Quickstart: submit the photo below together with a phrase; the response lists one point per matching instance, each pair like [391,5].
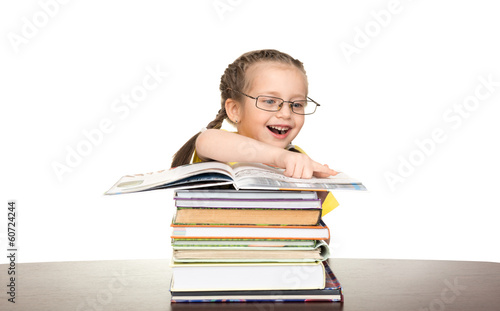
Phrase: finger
[298,170]
[321,175]
[307,172]
[331,172]
[289,169]
[323,171]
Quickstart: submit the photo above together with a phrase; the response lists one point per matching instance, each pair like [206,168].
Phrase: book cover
[247,276]
[332,292]
[247,216]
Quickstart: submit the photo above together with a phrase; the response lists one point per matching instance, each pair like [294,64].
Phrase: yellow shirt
[329,202]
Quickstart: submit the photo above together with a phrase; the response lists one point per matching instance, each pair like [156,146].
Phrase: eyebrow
[276,94]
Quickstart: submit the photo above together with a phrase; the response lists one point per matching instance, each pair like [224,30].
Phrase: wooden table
[369,284]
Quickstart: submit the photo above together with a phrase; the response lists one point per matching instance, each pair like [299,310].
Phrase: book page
[204,172]
[261,176]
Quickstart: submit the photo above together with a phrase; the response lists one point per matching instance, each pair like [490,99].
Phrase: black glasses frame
[281,104]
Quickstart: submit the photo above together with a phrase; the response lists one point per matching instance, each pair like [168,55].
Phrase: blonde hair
[234,79]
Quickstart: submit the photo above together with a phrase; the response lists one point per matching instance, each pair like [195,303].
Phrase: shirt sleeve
[295,149]
[195,158]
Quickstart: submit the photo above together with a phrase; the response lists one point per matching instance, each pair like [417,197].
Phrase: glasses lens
[304,107]
[269,103]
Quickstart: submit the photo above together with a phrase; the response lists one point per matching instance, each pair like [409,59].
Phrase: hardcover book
[318,232]
[247,216]
[245,194]
[319,251]
[247,276]
[332,291]
[257,211]
[196,243]
[249,203]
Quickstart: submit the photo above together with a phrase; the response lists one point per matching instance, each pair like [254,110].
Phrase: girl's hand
[325,173]
[298,165]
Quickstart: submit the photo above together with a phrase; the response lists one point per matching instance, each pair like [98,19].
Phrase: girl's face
[279,80]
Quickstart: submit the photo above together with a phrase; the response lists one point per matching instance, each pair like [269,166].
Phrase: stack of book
[246,245]
[245,232]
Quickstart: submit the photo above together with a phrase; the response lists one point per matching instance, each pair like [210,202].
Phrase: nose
[286,110]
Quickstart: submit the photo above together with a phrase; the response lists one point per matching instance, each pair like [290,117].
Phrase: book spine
[180,300]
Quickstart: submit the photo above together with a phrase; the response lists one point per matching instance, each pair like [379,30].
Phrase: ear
[233,109]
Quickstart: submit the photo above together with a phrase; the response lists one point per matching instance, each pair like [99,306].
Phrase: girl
[264,95]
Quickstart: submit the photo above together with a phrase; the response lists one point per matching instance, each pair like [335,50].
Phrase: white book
[244,194]
[249,203]
[247,276]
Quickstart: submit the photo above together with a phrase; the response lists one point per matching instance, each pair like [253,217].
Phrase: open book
[239,175]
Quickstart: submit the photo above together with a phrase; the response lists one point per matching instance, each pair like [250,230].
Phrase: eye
[268,101]
[299,104]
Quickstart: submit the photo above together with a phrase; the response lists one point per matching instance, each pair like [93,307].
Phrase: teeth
[280,129]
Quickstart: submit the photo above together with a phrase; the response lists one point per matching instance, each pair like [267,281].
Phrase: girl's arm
[231,147]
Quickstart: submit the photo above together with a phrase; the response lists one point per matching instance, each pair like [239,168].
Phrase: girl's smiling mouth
[279,131]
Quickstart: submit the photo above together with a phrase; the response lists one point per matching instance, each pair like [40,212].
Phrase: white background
[393,89]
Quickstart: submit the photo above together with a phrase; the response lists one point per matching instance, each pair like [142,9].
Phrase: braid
[184,155]
[217,122]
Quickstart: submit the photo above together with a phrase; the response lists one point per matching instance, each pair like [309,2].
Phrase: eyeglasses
[273,104]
